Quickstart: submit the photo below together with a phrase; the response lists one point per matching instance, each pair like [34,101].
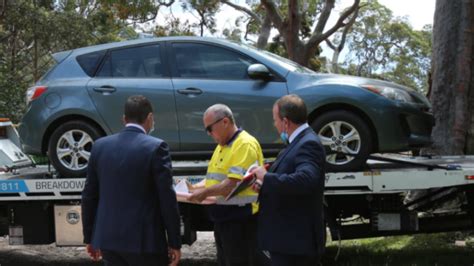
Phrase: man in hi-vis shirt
[234,220]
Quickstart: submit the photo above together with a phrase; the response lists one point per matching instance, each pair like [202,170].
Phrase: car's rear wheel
[346,138]
[70,146]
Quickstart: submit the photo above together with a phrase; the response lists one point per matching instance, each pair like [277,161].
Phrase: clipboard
[246,182]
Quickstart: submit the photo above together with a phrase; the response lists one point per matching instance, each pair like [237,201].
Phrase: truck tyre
[346,138]
[70,146]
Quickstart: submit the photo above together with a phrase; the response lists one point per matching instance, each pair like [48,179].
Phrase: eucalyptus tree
[174,27]
[206,13]
[387,47]
[302,25]
[452,90]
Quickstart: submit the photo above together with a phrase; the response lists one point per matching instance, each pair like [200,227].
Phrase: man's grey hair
[220,111]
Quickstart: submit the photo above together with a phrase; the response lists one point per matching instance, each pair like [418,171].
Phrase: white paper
[182,186]
[255,164]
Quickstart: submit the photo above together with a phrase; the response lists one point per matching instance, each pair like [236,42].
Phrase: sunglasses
[209,127]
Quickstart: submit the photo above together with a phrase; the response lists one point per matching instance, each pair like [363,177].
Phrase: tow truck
[393,195]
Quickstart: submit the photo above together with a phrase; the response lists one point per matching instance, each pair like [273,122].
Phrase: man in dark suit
[291,224]
[129,208]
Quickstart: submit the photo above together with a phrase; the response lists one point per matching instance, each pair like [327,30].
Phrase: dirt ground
[202,252]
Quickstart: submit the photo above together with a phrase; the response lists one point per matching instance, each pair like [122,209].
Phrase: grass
[417,250]
[39,160]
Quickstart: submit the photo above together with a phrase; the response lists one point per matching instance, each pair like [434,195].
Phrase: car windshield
[290,64]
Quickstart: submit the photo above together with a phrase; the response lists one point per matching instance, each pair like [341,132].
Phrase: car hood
[353,81]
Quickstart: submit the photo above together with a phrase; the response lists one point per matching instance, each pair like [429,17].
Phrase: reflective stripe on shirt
[216,176]
[237,170]
[237,200]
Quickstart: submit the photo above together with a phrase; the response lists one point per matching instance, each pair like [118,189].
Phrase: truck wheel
[70,146]
[346,139]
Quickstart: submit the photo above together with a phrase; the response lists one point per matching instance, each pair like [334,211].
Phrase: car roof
[99,47]
[275,64]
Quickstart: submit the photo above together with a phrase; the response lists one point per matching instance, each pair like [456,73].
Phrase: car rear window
[89,62]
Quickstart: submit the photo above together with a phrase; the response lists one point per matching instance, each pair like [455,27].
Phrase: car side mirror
[259,71]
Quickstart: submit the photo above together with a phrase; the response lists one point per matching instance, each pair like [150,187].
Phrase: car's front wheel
[70,146]
[346,138]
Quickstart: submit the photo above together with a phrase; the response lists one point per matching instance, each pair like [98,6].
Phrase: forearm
[221,189]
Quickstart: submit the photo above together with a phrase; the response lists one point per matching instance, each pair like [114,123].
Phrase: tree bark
[452,67]
[469,32]
[3,9]
[337,50]
[264,34]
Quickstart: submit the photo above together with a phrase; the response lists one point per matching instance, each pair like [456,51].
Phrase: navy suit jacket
[291,199]
[128,201]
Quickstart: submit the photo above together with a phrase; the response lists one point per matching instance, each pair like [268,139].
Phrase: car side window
[134,62]
[194,60]
[89,62]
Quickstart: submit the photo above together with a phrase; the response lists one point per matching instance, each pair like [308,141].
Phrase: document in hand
[182,194]
[246,182]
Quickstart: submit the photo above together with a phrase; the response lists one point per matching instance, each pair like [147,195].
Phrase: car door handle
[105,89]
[190,91]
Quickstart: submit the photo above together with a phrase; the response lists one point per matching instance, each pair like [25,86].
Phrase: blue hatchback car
[81,99]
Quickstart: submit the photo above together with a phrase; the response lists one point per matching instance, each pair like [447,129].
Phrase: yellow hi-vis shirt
[233,160]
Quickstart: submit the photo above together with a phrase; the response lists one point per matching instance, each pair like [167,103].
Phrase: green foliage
[206,10]
[31,31]
[233,34]
[174,27]
[388,48]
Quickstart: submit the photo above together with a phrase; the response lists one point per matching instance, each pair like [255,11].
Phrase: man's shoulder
[104,140]
[118,137]
[245,138]
[310,141]
[151,139]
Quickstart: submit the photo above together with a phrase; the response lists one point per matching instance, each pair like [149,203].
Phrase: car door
[131,71]
[205,74]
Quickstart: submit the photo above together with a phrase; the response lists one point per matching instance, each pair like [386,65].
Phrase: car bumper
[413,129]
[30,135]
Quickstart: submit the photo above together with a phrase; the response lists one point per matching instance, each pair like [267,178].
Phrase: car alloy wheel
[347,140]
[73,149]
[70,146]
[341,139]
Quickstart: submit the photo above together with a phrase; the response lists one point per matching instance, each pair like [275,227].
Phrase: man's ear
[150,117]
[124,120]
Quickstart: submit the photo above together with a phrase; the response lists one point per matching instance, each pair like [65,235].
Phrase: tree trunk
[3,9]
[292,41]
[265,30]
[452,66]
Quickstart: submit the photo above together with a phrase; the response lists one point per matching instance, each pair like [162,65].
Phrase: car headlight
[391,93]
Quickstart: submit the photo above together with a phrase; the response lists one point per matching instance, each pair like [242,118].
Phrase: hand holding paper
[183,194]
[249,179]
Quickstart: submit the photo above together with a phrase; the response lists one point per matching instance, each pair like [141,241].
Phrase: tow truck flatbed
[40,183]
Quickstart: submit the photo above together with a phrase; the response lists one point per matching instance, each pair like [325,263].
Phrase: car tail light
[34,92]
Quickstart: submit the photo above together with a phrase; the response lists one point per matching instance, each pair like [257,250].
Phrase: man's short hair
[220,111]
[293,108]
[137,108]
